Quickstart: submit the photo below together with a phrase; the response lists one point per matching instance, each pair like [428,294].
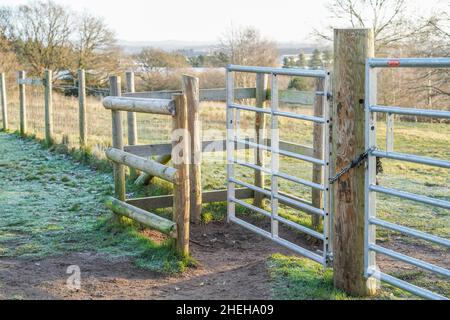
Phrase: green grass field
[427,139]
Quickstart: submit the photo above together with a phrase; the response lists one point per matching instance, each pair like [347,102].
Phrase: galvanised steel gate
[371,188]
[233,138]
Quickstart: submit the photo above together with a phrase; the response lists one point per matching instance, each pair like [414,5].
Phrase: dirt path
[43,230]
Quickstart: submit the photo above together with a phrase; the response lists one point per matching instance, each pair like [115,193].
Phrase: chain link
[355,163]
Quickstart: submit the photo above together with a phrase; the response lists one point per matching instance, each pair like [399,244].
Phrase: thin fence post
[22,104]
[48,83]
[390,132]
[260,133]
[180,158]
[190,87]
[4,101]
[316,195]
[351,48]
[131,121]
[117,140]
[82,107]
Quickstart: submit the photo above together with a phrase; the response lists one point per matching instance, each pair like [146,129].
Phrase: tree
[327,57]
[158,68]
[301,62]
[316,60]
[41,33]
[390,19]
[301,84]
[151,59]
[246,46]
[95,49]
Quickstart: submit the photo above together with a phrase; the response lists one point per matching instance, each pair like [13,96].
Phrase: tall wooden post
[180,159]
[82,107]
[4,101]
[260,128]
[351,48]
[316,195]
[131,121]
[190,87]
[22,104]
[117,140]
[48,83]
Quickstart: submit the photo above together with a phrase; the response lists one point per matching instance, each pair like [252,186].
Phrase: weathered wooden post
[260,128]
[180,159]
[351,48]
[117,140]
[131,121]
[48,83]
[316,195]
[4,101]
[22,103]
[190,88]
[82,107]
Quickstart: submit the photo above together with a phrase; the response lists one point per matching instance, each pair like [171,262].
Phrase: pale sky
[206,20]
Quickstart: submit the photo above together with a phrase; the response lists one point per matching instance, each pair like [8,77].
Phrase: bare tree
[95,49]
[246,46]
[389,19]
[41,32]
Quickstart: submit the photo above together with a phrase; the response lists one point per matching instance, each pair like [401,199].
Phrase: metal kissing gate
[371,188]
[371,248]
[233,138]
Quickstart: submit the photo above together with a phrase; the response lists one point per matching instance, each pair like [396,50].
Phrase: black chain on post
[355,163]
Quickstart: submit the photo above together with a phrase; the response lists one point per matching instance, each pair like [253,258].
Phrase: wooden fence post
[82,107]
[351,48]
[117,140]
[131,122]
[190,87]
[4,101]
[180,159]
[260,128]
[23,104]
[48,83]
[316,195]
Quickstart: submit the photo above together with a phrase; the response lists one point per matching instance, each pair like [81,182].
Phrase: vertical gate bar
[231,206]
[370,196]
[326,170]
[389,132]
[275,155]
[23,104]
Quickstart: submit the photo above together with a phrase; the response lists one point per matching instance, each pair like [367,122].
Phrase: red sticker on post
[394,63]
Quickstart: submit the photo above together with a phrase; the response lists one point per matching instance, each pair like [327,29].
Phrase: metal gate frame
[371,188]
[233,116]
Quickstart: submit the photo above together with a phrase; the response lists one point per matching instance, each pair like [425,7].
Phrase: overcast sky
[206,20]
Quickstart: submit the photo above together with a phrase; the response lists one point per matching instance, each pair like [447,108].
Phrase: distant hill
[202,47]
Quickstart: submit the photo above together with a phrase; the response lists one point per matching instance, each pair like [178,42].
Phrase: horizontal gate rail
[410,232]
[424,293]
[299,116]
[306,253]
[411,111]
[300,205]
[412,158]
[415,262]
[371,187]
[411,196]
[408,63]
[279,71]
[249,108]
